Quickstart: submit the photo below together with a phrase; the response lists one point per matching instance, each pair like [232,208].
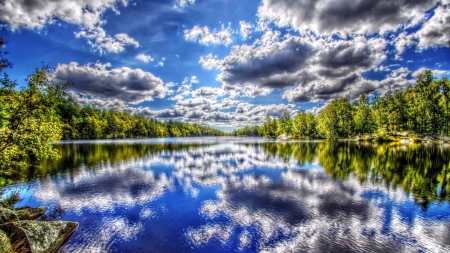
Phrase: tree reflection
[421,170]
[76,156]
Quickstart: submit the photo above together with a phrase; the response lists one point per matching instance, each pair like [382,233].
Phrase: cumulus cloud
[204,36]
[403,41]
[208,92]
[436,31]
[210,61]
[183,3]
[205,104]
[195,115]
[274,110]
[225,104]
[196,103]
[245,29]
[113,104]
[313,65]
[267,65]
[219,117]
[85,13]
[243,108]
[351,87]
[126,84]
[436,72]
[346,16]
[145,58]
[36,14]
[103,43]
[169,113]
[185,89]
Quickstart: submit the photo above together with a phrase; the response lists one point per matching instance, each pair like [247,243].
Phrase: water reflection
[238,196]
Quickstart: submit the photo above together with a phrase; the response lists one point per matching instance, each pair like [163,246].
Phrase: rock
[24,213]
[7,215]
[5,243]
[39,236]
[30,213]
[20,233]
[283,137]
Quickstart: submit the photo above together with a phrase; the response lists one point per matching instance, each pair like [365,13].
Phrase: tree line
[420,109]
[88,122]
[34,117]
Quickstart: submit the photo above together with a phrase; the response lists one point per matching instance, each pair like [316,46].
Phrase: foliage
[248,131]
[304,125]
[420,109]
[29,123]
[88,122]
[270,128]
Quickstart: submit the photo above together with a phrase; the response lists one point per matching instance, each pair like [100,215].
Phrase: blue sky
[226,63]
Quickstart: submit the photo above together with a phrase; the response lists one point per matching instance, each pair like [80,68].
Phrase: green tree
[285,124]
[364,120]
[270,128]
[444,84]
[31,123]
[304,125]
[336,119]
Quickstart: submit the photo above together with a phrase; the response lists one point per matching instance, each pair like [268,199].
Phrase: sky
[226,63]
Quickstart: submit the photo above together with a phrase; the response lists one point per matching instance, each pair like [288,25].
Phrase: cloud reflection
[271,203]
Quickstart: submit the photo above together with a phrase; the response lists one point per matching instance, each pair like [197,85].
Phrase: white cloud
[197,102]
[210,61]
[208,92]
[273,110]
[245,29]
[204,36]
[436,31]
[183,3]
[36,14]
[350,88]
[103,43]
[345,16]
[403,41]
[125,84]
[436,72]
[243,108]
[320,68]
[114,104]
[145,58]
[85,13]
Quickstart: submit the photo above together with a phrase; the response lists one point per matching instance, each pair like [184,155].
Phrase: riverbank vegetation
[421,111]
[35,116]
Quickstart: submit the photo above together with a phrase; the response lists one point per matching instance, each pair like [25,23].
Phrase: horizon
[226,64]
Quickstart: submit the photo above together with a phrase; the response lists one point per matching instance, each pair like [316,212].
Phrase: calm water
[246,195]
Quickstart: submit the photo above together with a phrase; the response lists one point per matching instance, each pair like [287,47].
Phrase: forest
[420,109]
[88,122]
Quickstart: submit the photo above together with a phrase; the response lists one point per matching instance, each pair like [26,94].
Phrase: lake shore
[400,137]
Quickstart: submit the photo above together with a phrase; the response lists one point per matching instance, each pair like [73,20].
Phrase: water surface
[246,195]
